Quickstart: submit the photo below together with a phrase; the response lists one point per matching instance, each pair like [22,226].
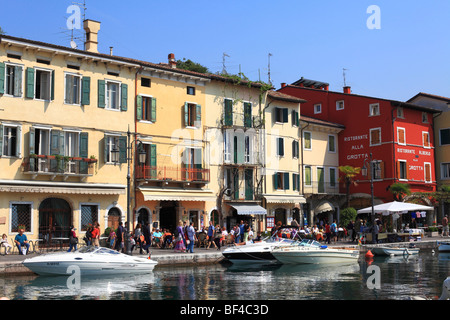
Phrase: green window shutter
[294,180]
[247,115]
[52,89]
[228,112]
[153,110]
[124,104]
[55,143]
[153,161]
[101,93]
[105,149]
[84,139]
[1,140]
[2,78]
[285,115]
[286,181]
[275,181]
[30,83]
[186,114]
[198,114]
[307,176]
[280,146]
[123,149]
[86,91]
[31,140]
[139,106]
[198,162]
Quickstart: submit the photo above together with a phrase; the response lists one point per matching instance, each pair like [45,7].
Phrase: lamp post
[374,168]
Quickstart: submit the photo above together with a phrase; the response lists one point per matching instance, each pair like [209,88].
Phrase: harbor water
[397,278]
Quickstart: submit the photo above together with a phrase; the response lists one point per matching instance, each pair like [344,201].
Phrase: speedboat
[312,252]
[91,261]
[393,251]
[258,252]
[443,246]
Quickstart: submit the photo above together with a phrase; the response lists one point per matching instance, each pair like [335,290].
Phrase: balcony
[241,120]
[58,166]
[317,187]
[172,174]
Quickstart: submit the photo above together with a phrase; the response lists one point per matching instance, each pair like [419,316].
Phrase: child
[5,243]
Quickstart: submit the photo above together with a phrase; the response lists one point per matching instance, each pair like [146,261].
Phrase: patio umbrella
[395,207]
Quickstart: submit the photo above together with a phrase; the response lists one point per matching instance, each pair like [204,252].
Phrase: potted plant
[432,231]
[91,159]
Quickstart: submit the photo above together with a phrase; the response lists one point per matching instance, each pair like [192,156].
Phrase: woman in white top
[5,243]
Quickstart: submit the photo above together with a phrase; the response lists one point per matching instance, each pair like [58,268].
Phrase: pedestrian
[21,242]
[119,237]
[218,237]
[445,226]
[242,231]
[211,235]
[350,230]
[96,234]
[73,239]
[180,238]
[334,231]
[191,238]
[376,230]
[246,231]
[237,234]
[328,233]
[147,238]
[5,243]
[112,238]
[137,236]
[88,236]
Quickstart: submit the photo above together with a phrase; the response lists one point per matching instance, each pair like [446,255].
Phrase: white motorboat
[393,251]
[312,252]
[257,252]
[443,246]
[91,261]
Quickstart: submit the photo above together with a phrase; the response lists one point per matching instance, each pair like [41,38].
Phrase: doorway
[55,219]
[114,217]
[168,215]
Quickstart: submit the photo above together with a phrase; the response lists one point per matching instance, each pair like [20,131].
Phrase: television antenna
[270,80]
[224,69]
[343,73]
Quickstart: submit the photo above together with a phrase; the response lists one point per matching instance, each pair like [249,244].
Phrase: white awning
[324,207]
[284,199]
[248,209]
[177,195]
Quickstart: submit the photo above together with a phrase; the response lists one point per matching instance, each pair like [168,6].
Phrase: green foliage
[191,66]
[349,173]
[400,190]
[347,215]
[2,31]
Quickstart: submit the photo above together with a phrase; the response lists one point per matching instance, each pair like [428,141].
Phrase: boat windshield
[309,243]
[99,250]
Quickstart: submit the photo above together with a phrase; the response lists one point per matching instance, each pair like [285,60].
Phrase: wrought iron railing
[56,165]
[317,187]
[174,174]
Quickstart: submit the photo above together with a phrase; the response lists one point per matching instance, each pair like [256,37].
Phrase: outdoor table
[61,240]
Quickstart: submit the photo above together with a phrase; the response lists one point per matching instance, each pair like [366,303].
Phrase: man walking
[191,238]
[445,226]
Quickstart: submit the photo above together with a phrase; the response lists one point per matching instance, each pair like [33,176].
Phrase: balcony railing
[50,165]
[172,174]
[240,120]
[317,187]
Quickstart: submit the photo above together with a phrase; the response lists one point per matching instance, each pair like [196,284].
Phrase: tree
[347,215]
[191,66]
[2,31]
[400,191]
[349,174]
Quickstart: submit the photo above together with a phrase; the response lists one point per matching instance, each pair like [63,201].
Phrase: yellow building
[173,183]
[282,159]
[64,115]
[320,170]
[441,141]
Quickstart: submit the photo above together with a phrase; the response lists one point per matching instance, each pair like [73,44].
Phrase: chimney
[172,62]
[283,84]
[347,90]
[92,28]
[111,51]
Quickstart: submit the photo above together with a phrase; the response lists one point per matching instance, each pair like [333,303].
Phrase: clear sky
[311,39]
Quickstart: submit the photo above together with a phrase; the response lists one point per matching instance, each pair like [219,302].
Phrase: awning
[177,195]
[248,209]
[324,207]
[285,199]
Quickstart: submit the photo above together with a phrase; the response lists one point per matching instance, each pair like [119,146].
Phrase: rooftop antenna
[270,80]
[83,8]
[224,69]
[343,73]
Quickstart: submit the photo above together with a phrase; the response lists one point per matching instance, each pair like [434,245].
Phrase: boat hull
[316,256]
[386,251]
[444,247]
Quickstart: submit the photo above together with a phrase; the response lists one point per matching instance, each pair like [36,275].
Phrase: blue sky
[313,39]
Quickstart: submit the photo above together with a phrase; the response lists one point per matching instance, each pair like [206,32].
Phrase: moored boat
[393,251]
[312,252]
[444,246]
[91,261]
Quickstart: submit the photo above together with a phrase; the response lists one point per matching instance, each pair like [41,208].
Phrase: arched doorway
[114,216]
[280,215]
[143,216]
[214,217]
[55,219]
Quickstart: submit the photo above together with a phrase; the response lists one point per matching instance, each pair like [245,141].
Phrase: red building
[399,135]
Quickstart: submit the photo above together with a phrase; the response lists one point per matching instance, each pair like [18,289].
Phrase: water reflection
[401,278]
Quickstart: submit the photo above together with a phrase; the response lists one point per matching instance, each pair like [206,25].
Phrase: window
[281,181]
[248,120]
[89,214]
[340,105]
[115,143]
[228,114]
[192,115]
[191,91]
[112,95]
[333,177]
[11,79]
[378,170]
[374,109]
[400,113]
[227,145]
[146,108]
[307,140]
[21,213]
[307,176]
[248,155]
[10,142]
[280,147]
[332,143]
[444,136]
[281,115]
[427,172]
[445,170]
[375,137]
[295,119]
[317,108]
[402,170]
[401,137]
[73,89]
[146,82]
[426,139]
[424,117]
[295,182]
[295,149]
[43,85]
